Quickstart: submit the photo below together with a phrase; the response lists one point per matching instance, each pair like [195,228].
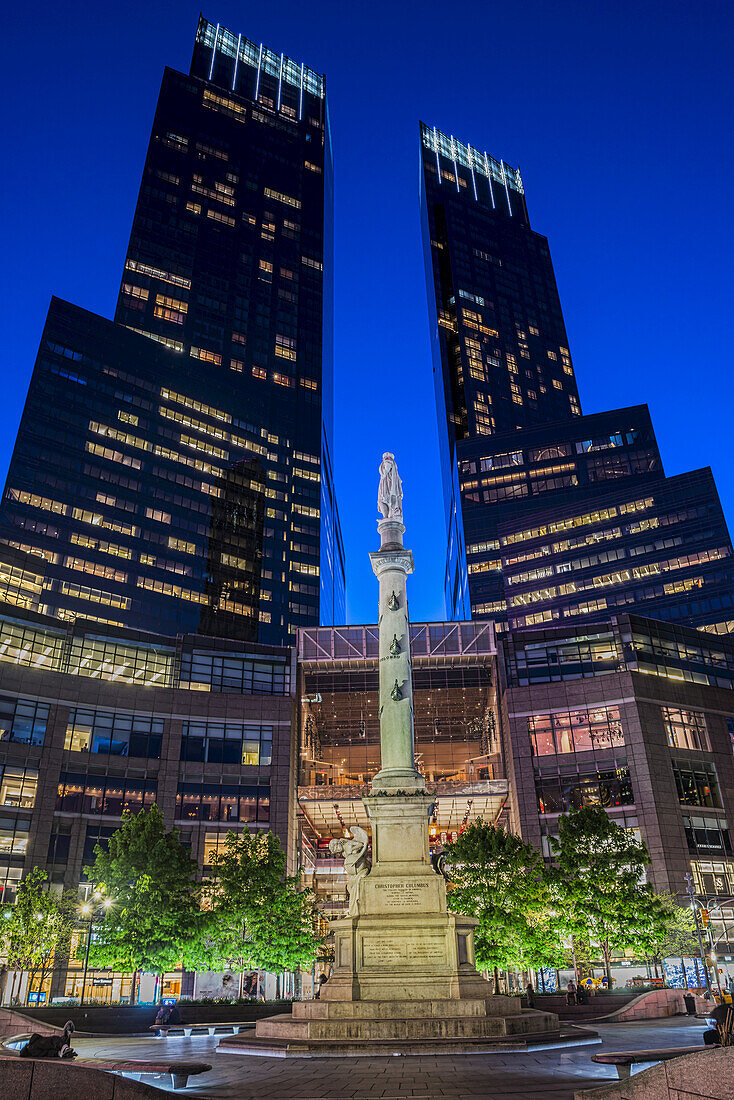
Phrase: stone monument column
[404,978]
[392,564]
[398,941]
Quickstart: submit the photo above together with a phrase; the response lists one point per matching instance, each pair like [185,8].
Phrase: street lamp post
[694,907]
[91,913]
[713,904]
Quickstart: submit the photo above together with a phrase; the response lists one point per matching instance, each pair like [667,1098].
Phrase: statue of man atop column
[390,491]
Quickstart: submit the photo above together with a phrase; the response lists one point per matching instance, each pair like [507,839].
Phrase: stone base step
[383,1009]
[414,1027]
[272,1048]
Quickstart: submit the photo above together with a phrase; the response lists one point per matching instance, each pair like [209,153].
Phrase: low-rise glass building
[457,740]
[637,716]
[97,721]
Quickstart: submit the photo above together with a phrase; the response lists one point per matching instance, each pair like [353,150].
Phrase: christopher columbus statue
[390,492]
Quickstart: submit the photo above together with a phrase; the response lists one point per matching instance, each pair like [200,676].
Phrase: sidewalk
[539,1075]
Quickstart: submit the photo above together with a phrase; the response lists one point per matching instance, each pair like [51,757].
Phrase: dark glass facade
[504,362]
[500,350]
[577,520]
[195,431]
[550,514]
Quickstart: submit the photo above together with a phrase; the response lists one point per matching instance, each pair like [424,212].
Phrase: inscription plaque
[391,951]
[402,894]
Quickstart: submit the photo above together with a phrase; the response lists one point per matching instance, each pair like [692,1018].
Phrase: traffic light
[705,918]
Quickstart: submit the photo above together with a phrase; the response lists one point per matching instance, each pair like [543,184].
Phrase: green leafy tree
[502,881]
[259,915]
[154,919]
[677,939]
[36,928]
[600,867]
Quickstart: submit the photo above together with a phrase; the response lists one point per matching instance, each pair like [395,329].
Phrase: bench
[164,1030]
[179,1072]
[625,1059]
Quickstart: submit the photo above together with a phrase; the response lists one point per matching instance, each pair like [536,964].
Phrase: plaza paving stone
[536,1075]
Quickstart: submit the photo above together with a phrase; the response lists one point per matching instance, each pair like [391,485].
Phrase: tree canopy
[259,916]
[677,938]
[154,918]
[36,928]
[600,871]
[503,882]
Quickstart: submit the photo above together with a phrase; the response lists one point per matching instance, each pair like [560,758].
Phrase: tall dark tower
[496,315]
[521,467]
[184,451]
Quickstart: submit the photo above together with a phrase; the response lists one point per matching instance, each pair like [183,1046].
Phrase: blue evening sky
[618,114]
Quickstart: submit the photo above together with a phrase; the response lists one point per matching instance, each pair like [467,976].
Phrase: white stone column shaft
[392,564]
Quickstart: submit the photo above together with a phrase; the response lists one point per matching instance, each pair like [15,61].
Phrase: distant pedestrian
[319,986]
[531,995]
[571,993]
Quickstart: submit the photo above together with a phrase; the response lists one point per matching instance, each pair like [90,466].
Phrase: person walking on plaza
[571,994]
[531,995]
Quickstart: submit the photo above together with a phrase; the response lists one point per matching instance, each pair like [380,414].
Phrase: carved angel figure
[356,864]
[390,491]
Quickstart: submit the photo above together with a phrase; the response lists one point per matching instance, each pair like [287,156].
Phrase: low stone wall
[705,1076]
[36,1080]
[655,1005]
[13,1023]
[129,1019]
[601,1004]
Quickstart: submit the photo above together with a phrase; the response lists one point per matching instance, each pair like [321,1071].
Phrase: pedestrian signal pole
[694,907]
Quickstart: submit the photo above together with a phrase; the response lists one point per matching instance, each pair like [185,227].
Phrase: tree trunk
[608,964]
[29,987]
[660,971]
[685,972]
[496,982]
[132,987]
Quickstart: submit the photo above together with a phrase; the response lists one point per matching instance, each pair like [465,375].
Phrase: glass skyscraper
[173,468]
[550,515]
